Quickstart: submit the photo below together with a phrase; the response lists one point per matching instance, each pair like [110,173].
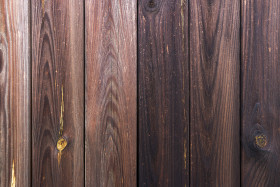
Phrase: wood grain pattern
[110,92]
[215,102]
[14,93]
[163,93]
[260,94]
[57,93]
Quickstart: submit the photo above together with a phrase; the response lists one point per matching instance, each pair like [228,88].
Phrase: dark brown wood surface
[57,93]
[139,93]
[260,93]
[215,96]
[111,93]
[163,93]
[15,113]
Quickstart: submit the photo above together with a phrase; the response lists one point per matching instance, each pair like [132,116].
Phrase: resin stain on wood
[13,181]
[62,142]
[61,113]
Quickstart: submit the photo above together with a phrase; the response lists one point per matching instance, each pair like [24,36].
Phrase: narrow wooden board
[215,96]
[110,93]
[57,93]
[15,111]
[163,75]
[261,93]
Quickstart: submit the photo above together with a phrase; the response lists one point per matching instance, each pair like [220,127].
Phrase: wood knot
[152,5]
[61,144]
[261,141]
[257,141]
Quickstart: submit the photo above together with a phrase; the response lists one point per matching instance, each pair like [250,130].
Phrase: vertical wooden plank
[215,97]
[14,93]
[57,93]
[163,93]
[110,92]
[261,91]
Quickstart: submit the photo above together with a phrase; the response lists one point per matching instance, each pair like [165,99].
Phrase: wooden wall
[139,93]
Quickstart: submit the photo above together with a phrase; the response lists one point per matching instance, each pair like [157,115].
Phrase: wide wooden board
[163,93]
[110,92]
[15,111]
[215,96]
[57,93]
[260,93]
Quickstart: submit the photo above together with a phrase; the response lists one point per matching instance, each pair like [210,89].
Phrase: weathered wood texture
[163,91]
[14,93]
[215,97]
[111,92]
[261,93]
[57,93]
